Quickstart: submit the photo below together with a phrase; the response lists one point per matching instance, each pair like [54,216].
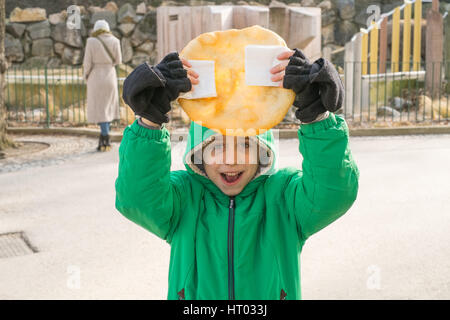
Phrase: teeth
[232,174]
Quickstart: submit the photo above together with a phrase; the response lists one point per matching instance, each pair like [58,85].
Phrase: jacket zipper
[231,207]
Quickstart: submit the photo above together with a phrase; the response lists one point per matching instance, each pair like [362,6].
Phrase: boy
[236,228]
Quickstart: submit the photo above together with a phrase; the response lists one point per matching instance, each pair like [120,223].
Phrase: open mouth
[231,178]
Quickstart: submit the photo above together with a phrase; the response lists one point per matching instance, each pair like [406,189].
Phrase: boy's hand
[278,71]
[148,90]
[191,74]
[317,85]
[294,73]
[179,79]
[176,75]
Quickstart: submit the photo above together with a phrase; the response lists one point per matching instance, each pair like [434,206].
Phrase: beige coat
[100,74]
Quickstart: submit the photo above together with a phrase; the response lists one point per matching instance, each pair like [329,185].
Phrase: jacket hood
[199,137]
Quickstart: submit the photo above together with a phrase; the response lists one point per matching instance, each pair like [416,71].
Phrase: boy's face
[231,163]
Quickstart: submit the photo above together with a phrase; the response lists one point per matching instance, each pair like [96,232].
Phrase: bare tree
[4,140]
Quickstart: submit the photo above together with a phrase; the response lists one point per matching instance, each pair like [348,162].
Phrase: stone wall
[341,19]
[40,36]
[35,39]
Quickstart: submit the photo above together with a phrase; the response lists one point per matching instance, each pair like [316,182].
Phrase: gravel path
[58,149]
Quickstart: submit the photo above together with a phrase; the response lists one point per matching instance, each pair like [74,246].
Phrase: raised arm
[328,184]
[147,192]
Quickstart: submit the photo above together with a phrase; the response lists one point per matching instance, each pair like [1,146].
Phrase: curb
[362,132]
[115,137]
[180,135]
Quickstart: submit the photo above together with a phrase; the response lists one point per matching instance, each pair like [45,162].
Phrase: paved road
[394,243]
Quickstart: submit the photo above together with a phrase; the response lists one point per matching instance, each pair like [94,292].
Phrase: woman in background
[101,56]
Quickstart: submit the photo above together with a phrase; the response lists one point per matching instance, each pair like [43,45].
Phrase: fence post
[364,49]
[447,47]
[373,58]
[395,51]
[349,70]
[406,37]
[46,98]
[117,70]
[417,34]
[383,44]
[357,73]
[434,48]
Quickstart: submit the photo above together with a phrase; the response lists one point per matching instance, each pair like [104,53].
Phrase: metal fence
[46,97]
[52,96]
[57,97]
[402,97]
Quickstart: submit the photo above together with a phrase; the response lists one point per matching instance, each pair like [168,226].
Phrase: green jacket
[248,248]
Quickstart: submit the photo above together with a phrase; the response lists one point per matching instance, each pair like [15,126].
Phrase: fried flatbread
[238,109]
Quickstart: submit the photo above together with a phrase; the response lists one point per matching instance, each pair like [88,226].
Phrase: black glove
[317,85]
[148,90]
